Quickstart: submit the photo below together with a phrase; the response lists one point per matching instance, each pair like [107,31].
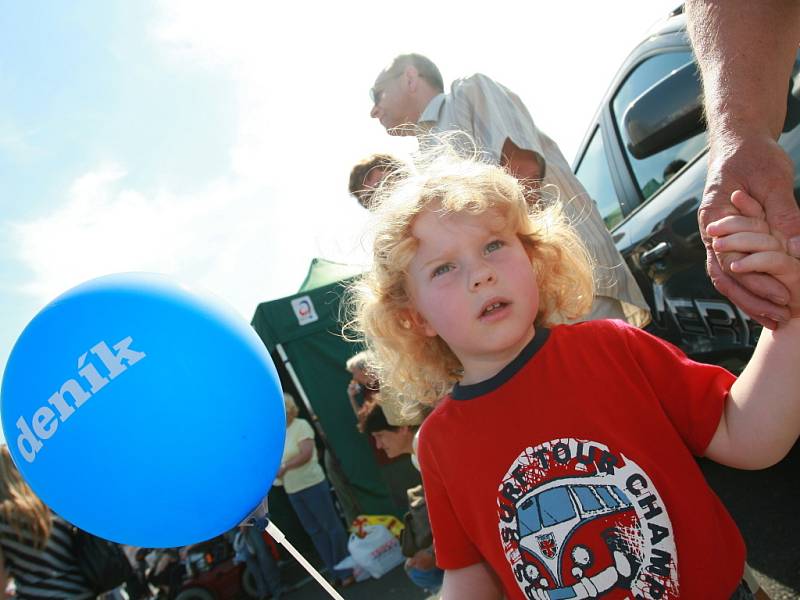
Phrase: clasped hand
[758,166]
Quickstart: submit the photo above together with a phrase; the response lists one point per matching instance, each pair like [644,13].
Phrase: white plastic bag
[378,552]
[348,563]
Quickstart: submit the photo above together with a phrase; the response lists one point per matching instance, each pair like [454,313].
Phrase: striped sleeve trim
[51,572]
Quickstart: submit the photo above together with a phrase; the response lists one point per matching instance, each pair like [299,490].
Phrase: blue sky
[212,141]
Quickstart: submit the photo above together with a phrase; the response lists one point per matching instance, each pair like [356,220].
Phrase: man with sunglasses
[408,98]
[367,174]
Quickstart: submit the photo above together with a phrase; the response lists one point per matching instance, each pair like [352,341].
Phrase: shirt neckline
[432,111]
[468,392]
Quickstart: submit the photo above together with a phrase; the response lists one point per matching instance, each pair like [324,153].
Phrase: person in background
[367,174]
[363,385]
[251,549]
[396,441]
[168,571]
[745,51]
[309,494]
[396,471]
[409,99]
[36,547]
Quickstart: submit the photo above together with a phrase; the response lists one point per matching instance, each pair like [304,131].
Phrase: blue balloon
[142,412]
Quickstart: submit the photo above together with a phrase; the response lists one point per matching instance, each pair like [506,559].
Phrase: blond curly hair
[406,361]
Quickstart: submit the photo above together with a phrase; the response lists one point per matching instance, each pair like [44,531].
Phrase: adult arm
[424,560]
[526,165]
[476,582]
[302,457]
[745,51]
[353,390]
[523,164]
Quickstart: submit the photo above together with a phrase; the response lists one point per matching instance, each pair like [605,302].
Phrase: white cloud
[300,74]
[227,239]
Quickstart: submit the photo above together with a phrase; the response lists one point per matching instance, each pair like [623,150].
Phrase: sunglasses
[376,93]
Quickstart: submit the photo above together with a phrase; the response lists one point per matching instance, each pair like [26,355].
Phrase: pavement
[765,505]
[395,585]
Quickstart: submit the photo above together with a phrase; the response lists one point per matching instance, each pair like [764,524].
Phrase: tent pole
[315,421]
[296,381]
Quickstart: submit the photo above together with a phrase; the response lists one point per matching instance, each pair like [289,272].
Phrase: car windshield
[556,506]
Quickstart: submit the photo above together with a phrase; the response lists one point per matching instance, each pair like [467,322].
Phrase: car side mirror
[671,111]
[667,113]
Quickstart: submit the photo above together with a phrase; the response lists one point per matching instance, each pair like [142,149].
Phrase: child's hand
[761,252]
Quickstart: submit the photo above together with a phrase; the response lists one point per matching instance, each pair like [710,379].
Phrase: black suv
[643,160]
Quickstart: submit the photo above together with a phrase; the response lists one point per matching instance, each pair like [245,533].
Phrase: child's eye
[494,245]
[442,269]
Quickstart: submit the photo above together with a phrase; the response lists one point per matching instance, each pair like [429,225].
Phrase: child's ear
[411,319]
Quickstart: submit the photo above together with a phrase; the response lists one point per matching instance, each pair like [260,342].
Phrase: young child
[559,462]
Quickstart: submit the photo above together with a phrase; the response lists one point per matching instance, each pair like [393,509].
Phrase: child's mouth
[492,308]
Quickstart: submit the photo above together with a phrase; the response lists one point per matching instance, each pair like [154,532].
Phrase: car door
[650,206]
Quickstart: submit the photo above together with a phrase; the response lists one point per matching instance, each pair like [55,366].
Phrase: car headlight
[581,556]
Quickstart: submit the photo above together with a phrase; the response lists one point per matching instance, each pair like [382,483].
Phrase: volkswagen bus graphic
[578,538]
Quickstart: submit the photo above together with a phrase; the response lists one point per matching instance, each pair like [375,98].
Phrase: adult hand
[759,166]
[750,234]
[422,560]
[353,389]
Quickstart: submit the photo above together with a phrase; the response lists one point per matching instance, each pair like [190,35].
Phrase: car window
[791,139]
[556,506]
[588,500]
[610,501]
[528,517]
[594,174]
[653,172]
[619,494]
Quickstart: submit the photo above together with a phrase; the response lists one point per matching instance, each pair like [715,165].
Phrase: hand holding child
[748,234]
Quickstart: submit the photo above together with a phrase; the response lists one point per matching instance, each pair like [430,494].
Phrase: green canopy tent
[303,333]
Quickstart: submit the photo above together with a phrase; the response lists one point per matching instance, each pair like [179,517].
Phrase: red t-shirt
[572,470]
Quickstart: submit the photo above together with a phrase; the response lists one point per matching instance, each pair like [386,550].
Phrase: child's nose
[481,275]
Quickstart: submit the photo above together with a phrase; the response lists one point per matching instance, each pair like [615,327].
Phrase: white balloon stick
[278,536]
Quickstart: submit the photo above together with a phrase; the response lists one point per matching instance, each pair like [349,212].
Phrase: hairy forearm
[762,415]
[745,50]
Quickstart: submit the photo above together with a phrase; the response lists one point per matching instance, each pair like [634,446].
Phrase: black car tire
[249,583]
[195,593]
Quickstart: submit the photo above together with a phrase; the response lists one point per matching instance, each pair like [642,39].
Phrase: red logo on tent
[304,308]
